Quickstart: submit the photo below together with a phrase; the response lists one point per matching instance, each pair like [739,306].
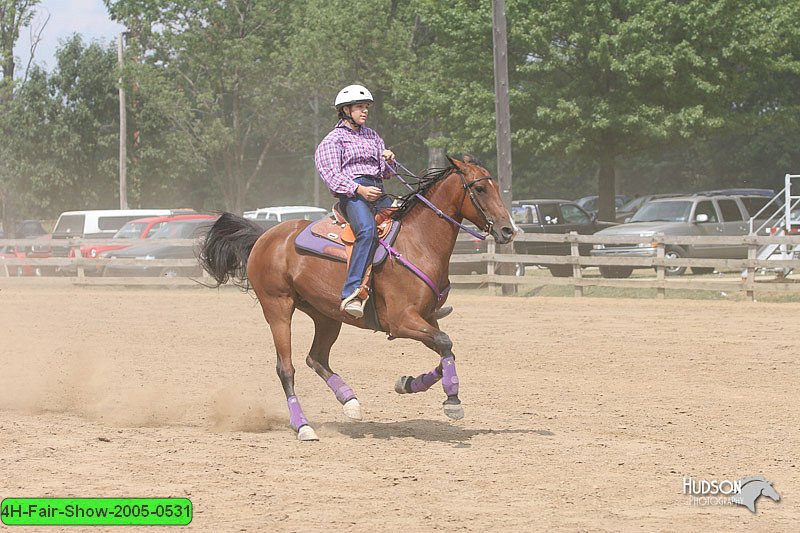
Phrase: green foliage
[227,99]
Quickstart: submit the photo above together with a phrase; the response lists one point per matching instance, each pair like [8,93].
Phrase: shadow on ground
[425,430]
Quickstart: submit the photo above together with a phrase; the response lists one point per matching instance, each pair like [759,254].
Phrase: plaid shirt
[345,154]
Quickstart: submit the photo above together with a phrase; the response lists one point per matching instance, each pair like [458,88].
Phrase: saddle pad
[308,241]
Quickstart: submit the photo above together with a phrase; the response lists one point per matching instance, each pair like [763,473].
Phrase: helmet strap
[347,117]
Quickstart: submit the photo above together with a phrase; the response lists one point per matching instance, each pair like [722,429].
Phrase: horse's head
[482,204]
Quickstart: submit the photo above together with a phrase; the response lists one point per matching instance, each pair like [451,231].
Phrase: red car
[36,251]
[141,228]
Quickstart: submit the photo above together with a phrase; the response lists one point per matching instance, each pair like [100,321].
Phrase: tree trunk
[436,156]
[606,178]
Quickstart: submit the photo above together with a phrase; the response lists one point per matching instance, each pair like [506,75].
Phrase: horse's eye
[480,188]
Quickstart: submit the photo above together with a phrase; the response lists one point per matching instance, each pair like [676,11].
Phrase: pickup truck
[538,216]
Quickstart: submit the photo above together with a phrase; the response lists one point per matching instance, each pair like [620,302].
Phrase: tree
[210,67]
[14,15]
[605,80]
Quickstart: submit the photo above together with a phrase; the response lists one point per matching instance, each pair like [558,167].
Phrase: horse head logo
[752,488]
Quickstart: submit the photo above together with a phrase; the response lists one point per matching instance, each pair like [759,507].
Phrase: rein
[442,214]
[441,295]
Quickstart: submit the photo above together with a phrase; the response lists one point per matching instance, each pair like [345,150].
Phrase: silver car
[694,215]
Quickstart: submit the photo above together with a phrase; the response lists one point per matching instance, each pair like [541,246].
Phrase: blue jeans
[360,213]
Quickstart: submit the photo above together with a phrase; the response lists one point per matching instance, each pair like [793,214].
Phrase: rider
[352,161]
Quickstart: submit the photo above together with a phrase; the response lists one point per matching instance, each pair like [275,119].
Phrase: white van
[287,212]
[98,224]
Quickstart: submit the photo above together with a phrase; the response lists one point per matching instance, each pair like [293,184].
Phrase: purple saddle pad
[309,242]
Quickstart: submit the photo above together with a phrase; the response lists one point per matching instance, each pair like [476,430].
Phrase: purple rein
[439,212]
[441,295]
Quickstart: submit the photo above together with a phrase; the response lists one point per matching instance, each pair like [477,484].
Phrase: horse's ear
[452,161]
[469,158]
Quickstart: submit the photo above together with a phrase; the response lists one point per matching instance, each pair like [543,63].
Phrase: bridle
[467,190]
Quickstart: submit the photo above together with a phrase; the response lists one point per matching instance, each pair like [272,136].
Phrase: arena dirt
[581,414]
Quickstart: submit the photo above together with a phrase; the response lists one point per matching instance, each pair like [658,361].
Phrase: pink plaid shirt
[345,154]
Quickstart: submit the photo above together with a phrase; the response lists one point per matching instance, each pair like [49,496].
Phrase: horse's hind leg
[325,334]
[278,312]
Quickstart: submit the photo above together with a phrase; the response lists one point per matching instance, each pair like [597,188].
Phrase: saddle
[332,237]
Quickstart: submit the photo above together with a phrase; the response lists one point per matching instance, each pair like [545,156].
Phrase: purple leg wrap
[449,377]
[296,417]
[341,389]
[425,381]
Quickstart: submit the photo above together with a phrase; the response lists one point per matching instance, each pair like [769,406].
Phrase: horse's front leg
[414,327]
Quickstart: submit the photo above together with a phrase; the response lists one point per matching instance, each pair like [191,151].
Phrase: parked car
[141,228]
[11,251]
[25,230]
[36,251]
[538,216]
[630,208]
[589,203]
[193,228]
[270,216]
[98,224]
[694,215]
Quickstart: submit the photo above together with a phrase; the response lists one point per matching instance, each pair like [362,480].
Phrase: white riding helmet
[352,94]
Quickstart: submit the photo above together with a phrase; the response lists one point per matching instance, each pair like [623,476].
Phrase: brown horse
[285,279]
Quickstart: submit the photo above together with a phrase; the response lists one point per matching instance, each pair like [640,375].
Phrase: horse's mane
[424,183]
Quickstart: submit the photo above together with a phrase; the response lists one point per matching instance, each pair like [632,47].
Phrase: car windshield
[668,211]
[178,229]
[131,230]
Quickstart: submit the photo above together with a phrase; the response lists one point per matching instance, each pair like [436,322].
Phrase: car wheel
[560,271]
[615,272]
[702,270]
[519,270]
[20,271]
[674,252]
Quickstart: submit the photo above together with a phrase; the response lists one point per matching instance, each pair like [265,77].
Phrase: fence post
[490,265]
[750,281]
[660,268]
[78,257]
[575,254]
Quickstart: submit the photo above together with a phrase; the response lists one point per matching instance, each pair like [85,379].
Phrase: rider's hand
[388,155]
[371,194]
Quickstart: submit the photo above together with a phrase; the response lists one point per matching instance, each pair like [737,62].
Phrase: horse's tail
[226,248]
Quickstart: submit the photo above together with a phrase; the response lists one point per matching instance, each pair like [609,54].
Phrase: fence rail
[491,261]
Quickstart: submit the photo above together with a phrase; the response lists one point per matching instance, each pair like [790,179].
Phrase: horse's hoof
[454,411]
[306,433]
[401,387]
[352,409]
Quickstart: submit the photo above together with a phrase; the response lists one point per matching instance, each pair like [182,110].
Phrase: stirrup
[352,305]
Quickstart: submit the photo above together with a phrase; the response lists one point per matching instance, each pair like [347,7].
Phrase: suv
[272,216]
[694,215]
[539,216]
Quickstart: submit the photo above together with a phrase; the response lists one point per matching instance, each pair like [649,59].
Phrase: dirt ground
[582,414]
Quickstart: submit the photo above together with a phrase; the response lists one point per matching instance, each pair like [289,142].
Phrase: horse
[285,279]
[754,487]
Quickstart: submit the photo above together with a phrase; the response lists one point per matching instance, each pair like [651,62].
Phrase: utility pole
[315,107]
[123,130]
[502,122]
[501,104]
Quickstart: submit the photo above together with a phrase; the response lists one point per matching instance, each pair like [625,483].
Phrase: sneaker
[354,308]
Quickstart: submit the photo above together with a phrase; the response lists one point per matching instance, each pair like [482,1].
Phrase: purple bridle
[441,295]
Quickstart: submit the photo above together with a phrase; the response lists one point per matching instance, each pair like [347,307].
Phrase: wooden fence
[744,278]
